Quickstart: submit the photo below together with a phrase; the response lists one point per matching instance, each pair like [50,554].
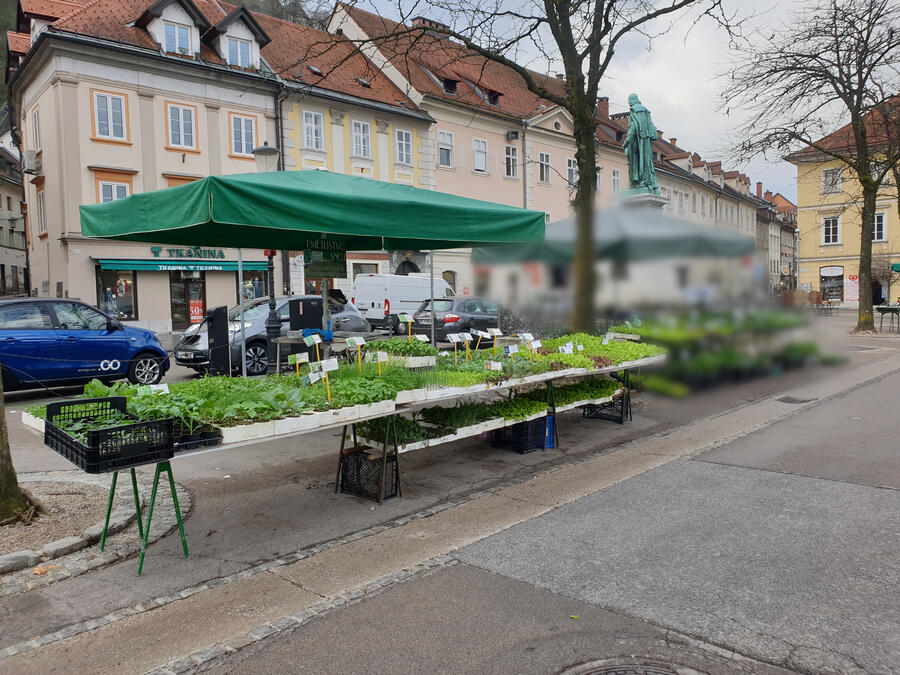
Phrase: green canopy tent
[626,234]
[895,267]
[293,210]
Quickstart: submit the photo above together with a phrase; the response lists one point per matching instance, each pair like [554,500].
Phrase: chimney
[768,195]
[759,189]
[422,22]
[560,76]
[673,141]
[659,134]
[603,107]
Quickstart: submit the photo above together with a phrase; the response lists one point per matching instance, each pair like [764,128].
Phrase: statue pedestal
[641,199]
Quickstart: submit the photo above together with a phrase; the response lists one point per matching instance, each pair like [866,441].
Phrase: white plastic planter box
[411,395]
[413,361]
[340,415]
[247,432]
[32,422]
[304,422]
[377,408]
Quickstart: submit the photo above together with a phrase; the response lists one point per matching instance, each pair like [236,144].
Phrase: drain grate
[605,668]
[792,399]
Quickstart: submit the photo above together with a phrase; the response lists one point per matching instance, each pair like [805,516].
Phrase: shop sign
[851,288]
[324,259]
[195,309]
[192,252]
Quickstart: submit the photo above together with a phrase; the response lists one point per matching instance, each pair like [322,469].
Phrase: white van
[381,297]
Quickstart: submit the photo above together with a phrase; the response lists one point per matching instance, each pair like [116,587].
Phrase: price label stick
[327,387]
[359,357]
[409,332]
[297,363]
[455,361]
[494,349]
[530,352]
[468,353]
[318,358]
[478,343]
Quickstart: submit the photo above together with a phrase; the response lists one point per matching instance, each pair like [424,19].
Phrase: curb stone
[71,554]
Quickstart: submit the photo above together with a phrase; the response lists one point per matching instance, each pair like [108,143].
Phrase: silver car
[192,351]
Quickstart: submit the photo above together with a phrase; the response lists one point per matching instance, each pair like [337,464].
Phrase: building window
[110,192]
[36,129]
[702,205]
[479,155]
[831,230]
[445,149]
[616,180]
[878,233]
[572,171]
[694,202]
[404,147]
[598,175]
[450,277]
[511,161]
[238,52]
[181,127]
[313,130]
[178,38]
[242,135]
[110,115]
[42,214]
[544,168]
[362,139]
[831,181]
[117,294]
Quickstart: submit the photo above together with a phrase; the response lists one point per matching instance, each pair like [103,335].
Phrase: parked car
[455,315]
[192,350]
[382,297]
[58,342]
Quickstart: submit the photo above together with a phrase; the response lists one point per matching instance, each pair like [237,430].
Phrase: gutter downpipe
[524,164]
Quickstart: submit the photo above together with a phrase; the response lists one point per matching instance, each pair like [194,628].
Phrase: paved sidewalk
[270,594]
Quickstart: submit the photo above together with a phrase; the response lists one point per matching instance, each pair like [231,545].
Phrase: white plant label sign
[536,344]
[421,338]
[494,332]
[513,349]
[526,337]
[329,365]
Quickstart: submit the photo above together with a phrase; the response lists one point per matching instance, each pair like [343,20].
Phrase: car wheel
[145,369]
[257,359]
[395,327]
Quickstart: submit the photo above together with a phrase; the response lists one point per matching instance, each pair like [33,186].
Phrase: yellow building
[829,202]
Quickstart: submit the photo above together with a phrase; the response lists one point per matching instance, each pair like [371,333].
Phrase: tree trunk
[12,500]
[865,320]
[583,319]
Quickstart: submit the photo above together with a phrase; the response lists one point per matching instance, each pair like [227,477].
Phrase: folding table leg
[160,467]
[109,503]
[337,478]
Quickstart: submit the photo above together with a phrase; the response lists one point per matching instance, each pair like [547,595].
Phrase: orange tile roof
[843,140]
[292,48]
[50,9]
[18,42]
[415,54]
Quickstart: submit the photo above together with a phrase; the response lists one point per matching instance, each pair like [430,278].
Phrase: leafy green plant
[404,347]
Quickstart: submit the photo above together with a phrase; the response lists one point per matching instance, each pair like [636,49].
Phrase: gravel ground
[72,508]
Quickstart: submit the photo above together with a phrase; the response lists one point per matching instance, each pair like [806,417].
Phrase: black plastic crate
[523,437]
[110,449]
[361,474]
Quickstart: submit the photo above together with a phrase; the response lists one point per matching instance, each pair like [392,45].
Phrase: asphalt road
[783,546]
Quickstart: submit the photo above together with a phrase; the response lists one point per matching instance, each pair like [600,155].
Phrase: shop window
[117,293]
[254,284]
[450,277]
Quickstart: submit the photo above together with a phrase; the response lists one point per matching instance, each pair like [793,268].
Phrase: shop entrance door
[187,291]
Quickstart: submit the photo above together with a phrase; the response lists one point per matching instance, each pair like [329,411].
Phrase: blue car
[56,342]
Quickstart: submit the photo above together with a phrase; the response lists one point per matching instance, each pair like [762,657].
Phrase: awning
[896,267]
[303,210]
[166,265]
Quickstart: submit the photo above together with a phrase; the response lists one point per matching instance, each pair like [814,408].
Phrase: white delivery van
[381,297]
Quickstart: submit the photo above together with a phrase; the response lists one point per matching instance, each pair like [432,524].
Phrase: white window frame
[615,177]
[42,213]
[824,238]
[361,139]
[510,161]
[883,237]
[238,42]
[572,171]
[403,147]
[544,168]
[444,144]
[243,151]
[114,186]
[36,129]
[598,177]
[181,123]
[177,47]
[109,111]
[831,186]
[480,150]
[313,130]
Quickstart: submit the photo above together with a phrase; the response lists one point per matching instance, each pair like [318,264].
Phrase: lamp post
[267,160]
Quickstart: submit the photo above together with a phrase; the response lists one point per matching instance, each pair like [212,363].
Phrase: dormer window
[238,52]
[364,83]
[493,97]
[178,38]
[315,70]
[450,86]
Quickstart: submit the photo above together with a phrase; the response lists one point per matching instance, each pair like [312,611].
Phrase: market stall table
[893,311]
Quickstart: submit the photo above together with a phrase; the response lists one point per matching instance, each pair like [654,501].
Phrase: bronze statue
[638,148]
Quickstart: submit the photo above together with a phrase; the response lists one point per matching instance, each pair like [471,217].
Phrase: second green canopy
[299,210]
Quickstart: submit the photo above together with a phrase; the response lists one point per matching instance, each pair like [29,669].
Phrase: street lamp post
[267,160]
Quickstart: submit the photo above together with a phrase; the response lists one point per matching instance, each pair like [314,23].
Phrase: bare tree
[581,35]
[14,503]
[836,59]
